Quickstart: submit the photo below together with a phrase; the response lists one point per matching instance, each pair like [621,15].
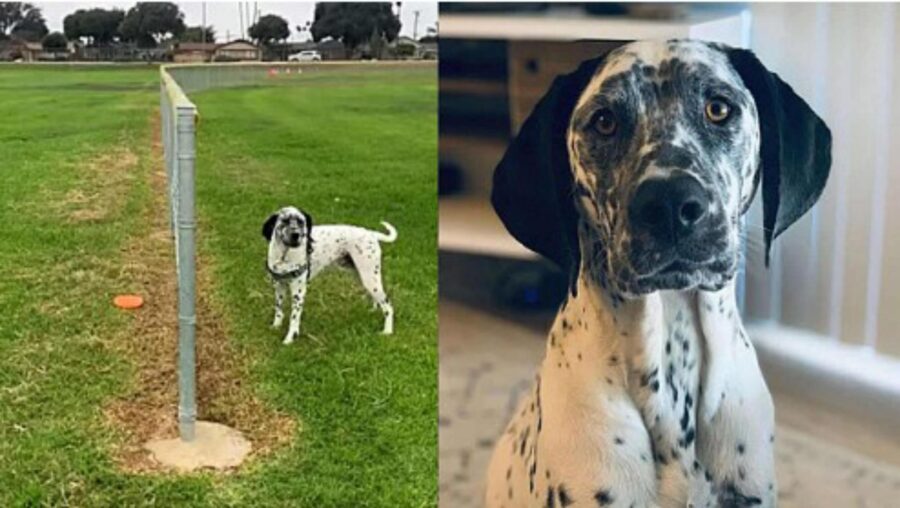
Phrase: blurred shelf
[476,157]
[728,28]
[469,225]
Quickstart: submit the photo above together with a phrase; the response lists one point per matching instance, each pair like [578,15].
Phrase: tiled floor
[486,362]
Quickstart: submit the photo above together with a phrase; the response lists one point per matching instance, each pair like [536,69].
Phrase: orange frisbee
[128,301]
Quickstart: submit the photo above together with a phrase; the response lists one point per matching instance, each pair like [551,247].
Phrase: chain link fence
[179,120]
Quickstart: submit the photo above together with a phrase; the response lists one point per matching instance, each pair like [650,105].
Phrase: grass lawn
[76,189]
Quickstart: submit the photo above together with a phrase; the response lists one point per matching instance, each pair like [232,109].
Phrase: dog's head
[288,226]
[644,160]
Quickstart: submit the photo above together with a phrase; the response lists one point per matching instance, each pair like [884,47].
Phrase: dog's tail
[387,238]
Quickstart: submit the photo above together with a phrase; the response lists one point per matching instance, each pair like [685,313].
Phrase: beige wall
[838,271]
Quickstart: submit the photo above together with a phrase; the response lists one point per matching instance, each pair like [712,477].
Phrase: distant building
[236,51]
[192,52]
[429,50]
[331,49]
[17,49]
[408,48]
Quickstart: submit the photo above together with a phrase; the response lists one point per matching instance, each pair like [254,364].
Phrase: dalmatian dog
[632,174]
[298,251]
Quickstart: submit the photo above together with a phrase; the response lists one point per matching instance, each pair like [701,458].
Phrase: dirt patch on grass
[103,179]
[149,410]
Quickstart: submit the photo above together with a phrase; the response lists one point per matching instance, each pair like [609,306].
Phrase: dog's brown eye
[605,122]
[717,110]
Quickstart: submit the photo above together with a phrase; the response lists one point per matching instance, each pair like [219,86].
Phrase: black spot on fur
[650,376]
[731,497]
[564,498]
[685,418]
[524,439]
[604,497]
[689,437]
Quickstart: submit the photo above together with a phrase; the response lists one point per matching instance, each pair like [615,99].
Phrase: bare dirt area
[103,180]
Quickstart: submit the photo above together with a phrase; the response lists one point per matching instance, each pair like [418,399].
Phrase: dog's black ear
[795,146]
[309,225]
[533,184]
[269,226]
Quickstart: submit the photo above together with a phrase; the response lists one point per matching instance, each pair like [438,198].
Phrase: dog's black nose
[669,209]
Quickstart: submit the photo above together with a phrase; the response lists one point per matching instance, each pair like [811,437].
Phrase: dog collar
[300,270]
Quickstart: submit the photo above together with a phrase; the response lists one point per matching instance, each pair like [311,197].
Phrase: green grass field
[351,147]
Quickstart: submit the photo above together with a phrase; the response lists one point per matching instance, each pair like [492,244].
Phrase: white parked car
[306,56]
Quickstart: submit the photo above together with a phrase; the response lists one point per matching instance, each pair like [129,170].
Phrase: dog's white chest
[615,417]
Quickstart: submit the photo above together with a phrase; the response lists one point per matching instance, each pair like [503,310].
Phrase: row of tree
[147,24]
[21,20]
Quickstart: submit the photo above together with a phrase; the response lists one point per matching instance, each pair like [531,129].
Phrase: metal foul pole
[187,319]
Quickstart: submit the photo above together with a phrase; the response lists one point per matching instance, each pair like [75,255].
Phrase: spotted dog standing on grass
[298,251]
[632,174]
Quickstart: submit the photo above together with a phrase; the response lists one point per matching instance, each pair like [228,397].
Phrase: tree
[55,41]
[431,34]
[148,23]
[22,20]
[270,28]
[10,14]
[31,27]
[99,26]
[196,34]
[355,23]
[304,27]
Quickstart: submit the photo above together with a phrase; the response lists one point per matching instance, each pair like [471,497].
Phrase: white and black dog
[298,251]
[632,174]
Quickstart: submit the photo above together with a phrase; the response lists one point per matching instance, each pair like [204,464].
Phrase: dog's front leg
[280,290]
[298,294]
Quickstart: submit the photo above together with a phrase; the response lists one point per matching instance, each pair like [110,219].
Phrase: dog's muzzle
[669,211]
[293,238]
[677,241]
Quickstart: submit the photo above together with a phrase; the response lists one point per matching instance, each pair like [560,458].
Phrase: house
[236,50]
[408,48]
[33,52]
[192,52]
[429,50]
[17,49]
[331,49]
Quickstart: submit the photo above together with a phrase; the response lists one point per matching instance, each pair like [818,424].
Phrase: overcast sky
[225,18]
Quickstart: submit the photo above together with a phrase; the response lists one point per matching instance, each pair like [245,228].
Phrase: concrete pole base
[215,446]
